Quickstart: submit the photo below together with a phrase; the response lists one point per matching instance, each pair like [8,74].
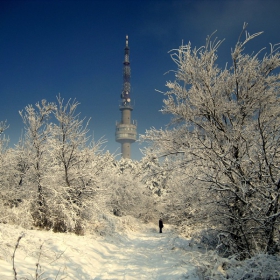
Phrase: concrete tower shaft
[126,129]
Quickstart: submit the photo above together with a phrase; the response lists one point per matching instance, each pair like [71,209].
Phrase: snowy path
[134,255]
[146,256]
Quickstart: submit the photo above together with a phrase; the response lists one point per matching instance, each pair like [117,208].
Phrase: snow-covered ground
[132,254]
[133,251]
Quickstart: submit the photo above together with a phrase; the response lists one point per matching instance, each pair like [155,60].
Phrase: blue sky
[76,48]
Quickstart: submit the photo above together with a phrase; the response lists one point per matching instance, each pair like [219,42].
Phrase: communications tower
[126,129]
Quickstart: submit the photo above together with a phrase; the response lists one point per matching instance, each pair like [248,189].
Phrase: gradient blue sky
[76,48]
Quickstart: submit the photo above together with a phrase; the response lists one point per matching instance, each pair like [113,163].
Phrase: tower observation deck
[126,129]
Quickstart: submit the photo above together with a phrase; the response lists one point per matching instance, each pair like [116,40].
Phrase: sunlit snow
[141,254]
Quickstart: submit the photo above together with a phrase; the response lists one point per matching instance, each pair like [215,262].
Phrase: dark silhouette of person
[160,224]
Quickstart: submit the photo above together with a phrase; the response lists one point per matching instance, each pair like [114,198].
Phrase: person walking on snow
[160,224]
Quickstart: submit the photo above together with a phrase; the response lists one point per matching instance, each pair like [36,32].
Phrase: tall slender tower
[126,129]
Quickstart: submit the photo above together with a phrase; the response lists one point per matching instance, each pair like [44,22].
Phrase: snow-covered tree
[36,134]
[226,125]
[69,137]
[4,174]
[75,164]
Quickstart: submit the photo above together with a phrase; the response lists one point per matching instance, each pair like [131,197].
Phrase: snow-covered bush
[129,196]
[261,266]
[53,176]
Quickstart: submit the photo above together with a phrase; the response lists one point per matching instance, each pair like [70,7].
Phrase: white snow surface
[141,253]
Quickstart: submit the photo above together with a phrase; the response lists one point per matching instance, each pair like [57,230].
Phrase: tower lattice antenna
[126,76]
